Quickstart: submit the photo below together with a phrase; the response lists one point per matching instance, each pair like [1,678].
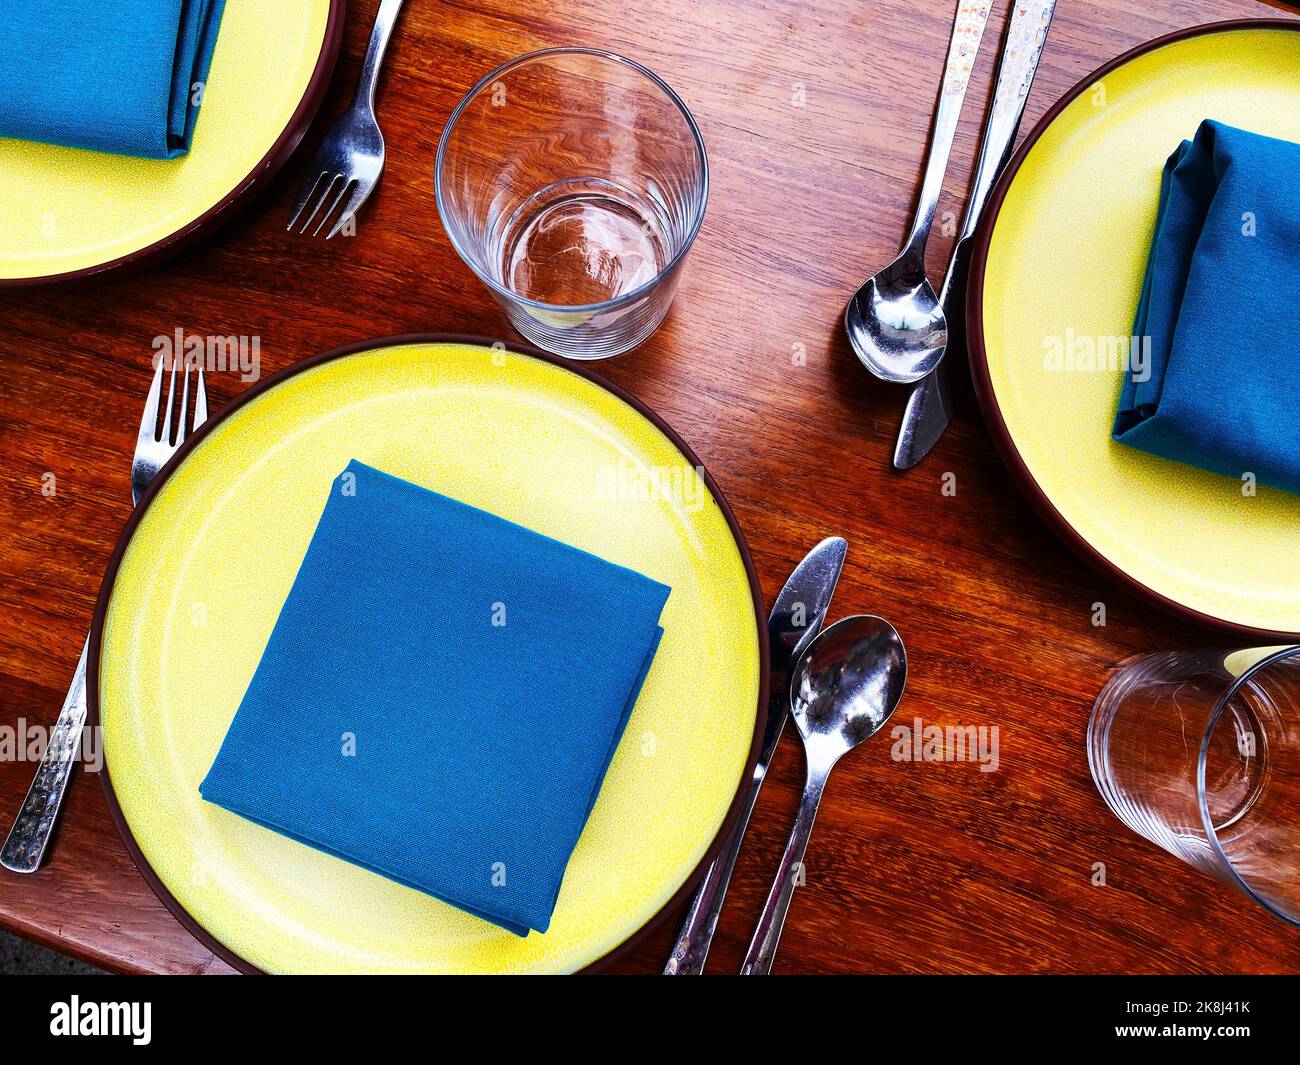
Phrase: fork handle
[379,38]
[30,835]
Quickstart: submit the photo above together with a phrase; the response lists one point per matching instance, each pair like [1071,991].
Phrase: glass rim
[561,308]
[1202,800]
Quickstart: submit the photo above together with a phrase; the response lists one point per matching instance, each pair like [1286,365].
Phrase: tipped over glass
[1199,751]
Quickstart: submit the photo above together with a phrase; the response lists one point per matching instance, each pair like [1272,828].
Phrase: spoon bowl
[896,324]
[846,685]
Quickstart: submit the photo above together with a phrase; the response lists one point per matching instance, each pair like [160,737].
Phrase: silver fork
[30,835]
[351,159]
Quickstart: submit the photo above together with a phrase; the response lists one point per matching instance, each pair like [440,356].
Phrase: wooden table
[930,867]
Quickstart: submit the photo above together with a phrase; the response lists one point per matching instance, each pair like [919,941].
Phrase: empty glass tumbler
[1199,752]
[572,182]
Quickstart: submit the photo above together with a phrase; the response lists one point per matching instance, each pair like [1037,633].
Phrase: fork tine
[200,400]
[305,192]
[165,433]
[185,405]
[347,184]
[149,419]
[354,204]
[324,198]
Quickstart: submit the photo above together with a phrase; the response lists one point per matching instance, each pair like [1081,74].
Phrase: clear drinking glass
[572,182]
[1199,752]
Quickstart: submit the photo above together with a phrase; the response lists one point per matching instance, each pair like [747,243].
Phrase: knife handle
[1022,46]
[693,941]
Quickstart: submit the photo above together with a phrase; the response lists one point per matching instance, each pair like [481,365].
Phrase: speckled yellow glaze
[1067,256]
[207,570]
[1239,661]
[64,209]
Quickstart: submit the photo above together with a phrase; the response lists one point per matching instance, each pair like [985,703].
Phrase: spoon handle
[967,29]
[762,948]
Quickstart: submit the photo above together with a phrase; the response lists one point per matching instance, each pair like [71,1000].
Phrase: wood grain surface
[815,113]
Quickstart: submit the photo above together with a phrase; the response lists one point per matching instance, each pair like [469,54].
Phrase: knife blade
[934,399]
[797,616]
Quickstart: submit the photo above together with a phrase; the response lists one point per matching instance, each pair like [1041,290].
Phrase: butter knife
[934,399]
[796,618]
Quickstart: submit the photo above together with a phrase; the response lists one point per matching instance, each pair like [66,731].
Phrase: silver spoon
[843,689]
[895,321]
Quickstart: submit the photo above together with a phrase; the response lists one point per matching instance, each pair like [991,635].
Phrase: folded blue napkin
[115,76]
[440,698]
[1221,308]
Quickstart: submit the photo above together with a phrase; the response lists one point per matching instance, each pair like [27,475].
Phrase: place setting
[224,91]
[443,653]
[228,858]
[1122,285]
[1179,491]
[1043,294]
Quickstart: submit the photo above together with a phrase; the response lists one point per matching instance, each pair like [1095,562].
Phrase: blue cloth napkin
[115,76]
[440,698]
[1221,306]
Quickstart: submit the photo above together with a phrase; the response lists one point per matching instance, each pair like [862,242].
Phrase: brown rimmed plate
[1056,273]
[72,214]
[206,561]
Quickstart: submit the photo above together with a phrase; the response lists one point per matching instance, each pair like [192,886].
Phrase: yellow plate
[1059,264]
[69,213]
[204,567]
